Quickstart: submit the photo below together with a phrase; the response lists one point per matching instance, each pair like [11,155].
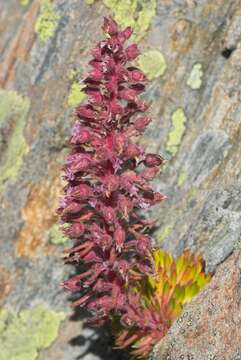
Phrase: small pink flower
[132,52]
[119,238]
[152,160]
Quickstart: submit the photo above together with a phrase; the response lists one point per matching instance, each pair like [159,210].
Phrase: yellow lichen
[47,21]
[24,2]
[39,215]
[73,73]
[135,13]
[23,335]
[195,77]
[76,96]
[178,128]
[55,235]
[165,232]
[182,178]
[192,193]
[152,63]
[13,109]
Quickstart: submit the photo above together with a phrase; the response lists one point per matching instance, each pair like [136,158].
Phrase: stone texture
[202,177]
[209,327]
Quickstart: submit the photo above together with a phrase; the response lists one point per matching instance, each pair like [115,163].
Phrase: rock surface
[196,107]
[209,327]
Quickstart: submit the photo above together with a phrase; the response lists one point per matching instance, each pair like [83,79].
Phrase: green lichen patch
[47,21]
[55,235]
[182,178]
[13,113]
[73,73]
[195,77]
[24,2]
[152,63]
[23,335]
[76,96]
[165,232]
[176,133]
[134,13]
[192,194]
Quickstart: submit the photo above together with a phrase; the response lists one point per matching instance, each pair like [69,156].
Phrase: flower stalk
[108,185]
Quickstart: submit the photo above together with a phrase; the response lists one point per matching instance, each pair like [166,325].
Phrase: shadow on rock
[95,343]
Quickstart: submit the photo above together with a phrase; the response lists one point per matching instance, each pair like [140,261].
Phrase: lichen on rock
[56,236]
[24,334]
[47,21]
[182,178]
[76,96]
[152,63]
[195,78]
[135,13]
[13,113]
[38,215]
[165,232]
[24,2]
[178,128]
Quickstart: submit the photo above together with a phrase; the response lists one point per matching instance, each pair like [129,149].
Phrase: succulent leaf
[163,295]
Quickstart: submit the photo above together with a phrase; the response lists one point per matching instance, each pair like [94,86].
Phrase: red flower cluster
[108,179]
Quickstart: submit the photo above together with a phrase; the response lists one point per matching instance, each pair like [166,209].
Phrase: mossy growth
[195,77]
[47,21]
[135,13]
[55,235]
[23,335]
[178,128]
[13,114]
[152,63]
[165,232]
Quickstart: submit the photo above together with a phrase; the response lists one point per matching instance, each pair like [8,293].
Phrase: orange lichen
[20,46]
[39,215]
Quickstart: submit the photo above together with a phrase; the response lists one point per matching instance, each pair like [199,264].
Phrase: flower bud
[152,160]
[141,122]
